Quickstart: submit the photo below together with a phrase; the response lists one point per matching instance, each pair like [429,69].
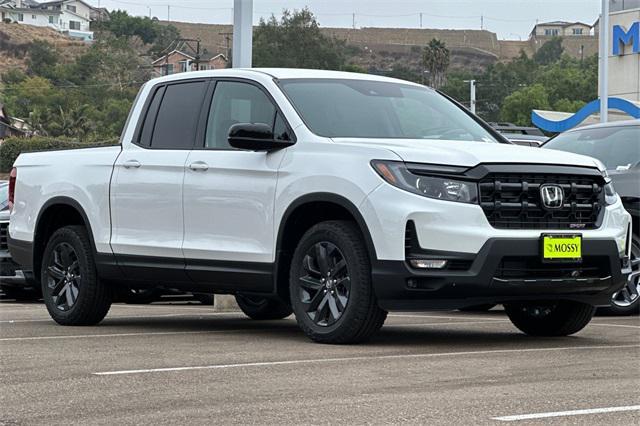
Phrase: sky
[510,19]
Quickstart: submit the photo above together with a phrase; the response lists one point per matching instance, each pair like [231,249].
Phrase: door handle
[199,166]
[131,164]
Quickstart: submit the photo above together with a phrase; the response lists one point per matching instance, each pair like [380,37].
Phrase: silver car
[617,145]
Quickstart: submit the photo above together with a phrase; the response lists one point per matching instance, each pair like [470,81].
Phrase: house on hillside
[8,128]
[179,61]
[560,29]
[71,17]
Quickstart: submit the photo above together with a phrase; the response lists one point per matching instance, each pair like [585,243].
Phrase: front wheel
[330,285]
[71,289]
[550,318]
[260,308]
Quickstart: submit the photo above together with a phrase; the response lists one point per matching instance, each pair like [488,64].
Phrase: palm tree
[435,59]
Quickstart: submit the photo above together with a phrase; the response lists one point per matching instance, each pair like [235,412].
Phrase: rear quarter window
[177,118]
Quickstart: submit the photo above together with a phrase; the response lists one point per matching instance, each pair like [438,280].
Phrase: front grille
[532,268]
[4,234]
[512,201]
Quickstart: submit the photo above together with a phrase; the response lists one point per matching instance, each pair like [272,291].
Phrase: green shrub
[12,147]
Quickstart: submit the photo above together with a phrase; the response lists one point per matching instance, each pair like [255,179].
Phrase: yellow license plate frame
[561,247]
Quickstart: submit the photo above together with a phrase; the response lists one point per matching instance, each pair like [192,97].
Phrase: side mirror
[255,137]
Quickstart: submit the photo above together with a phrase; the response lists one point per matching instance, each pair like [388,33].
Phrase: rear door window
[177,118]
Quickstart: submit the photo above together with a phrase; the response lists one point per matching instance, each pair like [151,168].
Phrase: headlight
[610,194]
[397,174]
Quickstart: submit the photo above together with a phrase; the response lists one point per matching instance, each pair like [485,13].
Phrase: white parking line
[567,413]
[356,358]
[445,317]
[615,325]
[84,336]
[136,316]
[444,323]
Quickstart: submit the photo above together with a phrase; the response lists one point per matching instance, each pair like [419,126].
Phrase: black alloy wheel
[63,276]
[330,285]
[325,284]
[71,289]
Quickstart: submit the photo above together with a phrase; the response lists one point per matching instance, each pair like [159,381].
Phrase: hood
[470,154]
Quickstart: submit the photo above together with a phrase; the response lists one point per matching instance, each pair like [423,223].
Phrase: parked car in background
[519,135]
[13,282]
[617,145]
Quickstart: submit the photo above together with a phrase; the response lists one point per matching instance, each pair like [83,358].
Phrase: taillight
[12,187]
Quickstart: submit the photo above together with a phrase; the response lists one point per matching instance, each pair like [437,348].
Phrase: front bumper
[504,270]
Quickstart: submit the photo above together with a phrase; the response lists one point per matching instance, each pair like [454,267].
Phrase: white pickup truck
[335,196]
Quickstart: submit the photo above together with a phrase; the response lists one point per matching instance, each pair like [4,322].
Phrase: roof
[561,24]
[35,11]
[49,3]
[179,52]
[211,56]
[281,73]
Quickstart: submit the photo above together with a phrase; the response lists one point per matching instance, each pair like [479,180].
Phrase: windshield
[617,147]
[374,109]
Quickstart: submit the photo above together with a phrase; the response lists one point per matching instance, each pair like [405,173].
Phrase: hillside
[384,48]
[15,40]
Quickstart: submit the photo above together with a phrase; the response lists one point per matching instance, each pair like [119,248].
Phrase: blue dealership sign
[621,37]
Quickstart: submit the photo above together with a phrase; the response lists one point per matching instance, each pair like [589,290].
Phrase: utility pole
[472,95]
[420,19]
[168,12]
[482,22]
[353,20]
[227,39]
[604,62]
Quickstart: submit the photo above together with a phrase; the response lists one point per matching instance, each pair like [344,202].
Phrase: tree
[120,24]
[550,52]
[295,41]
[435,59]
[150,31]
[518,105]
[43,57]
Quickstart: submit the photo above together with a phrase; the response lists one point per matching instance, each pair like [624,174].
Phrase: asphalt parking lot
[176,363]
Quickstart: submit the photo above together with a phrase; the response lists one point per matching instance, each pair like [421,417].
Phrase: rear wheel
[627,300]
[260,308]
[71,289]
[330,285]
[550,318]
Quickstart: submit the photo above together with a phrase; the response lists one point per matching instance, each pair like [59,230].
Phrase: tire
[627,300]
[204,298]
[142,296]
[260,308]
[72,291]
[550,319]
[478,308]
[340,307]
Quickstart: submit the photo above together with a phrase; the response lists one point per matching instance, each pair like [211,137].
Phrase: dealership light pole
[604,62]
[242,33]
